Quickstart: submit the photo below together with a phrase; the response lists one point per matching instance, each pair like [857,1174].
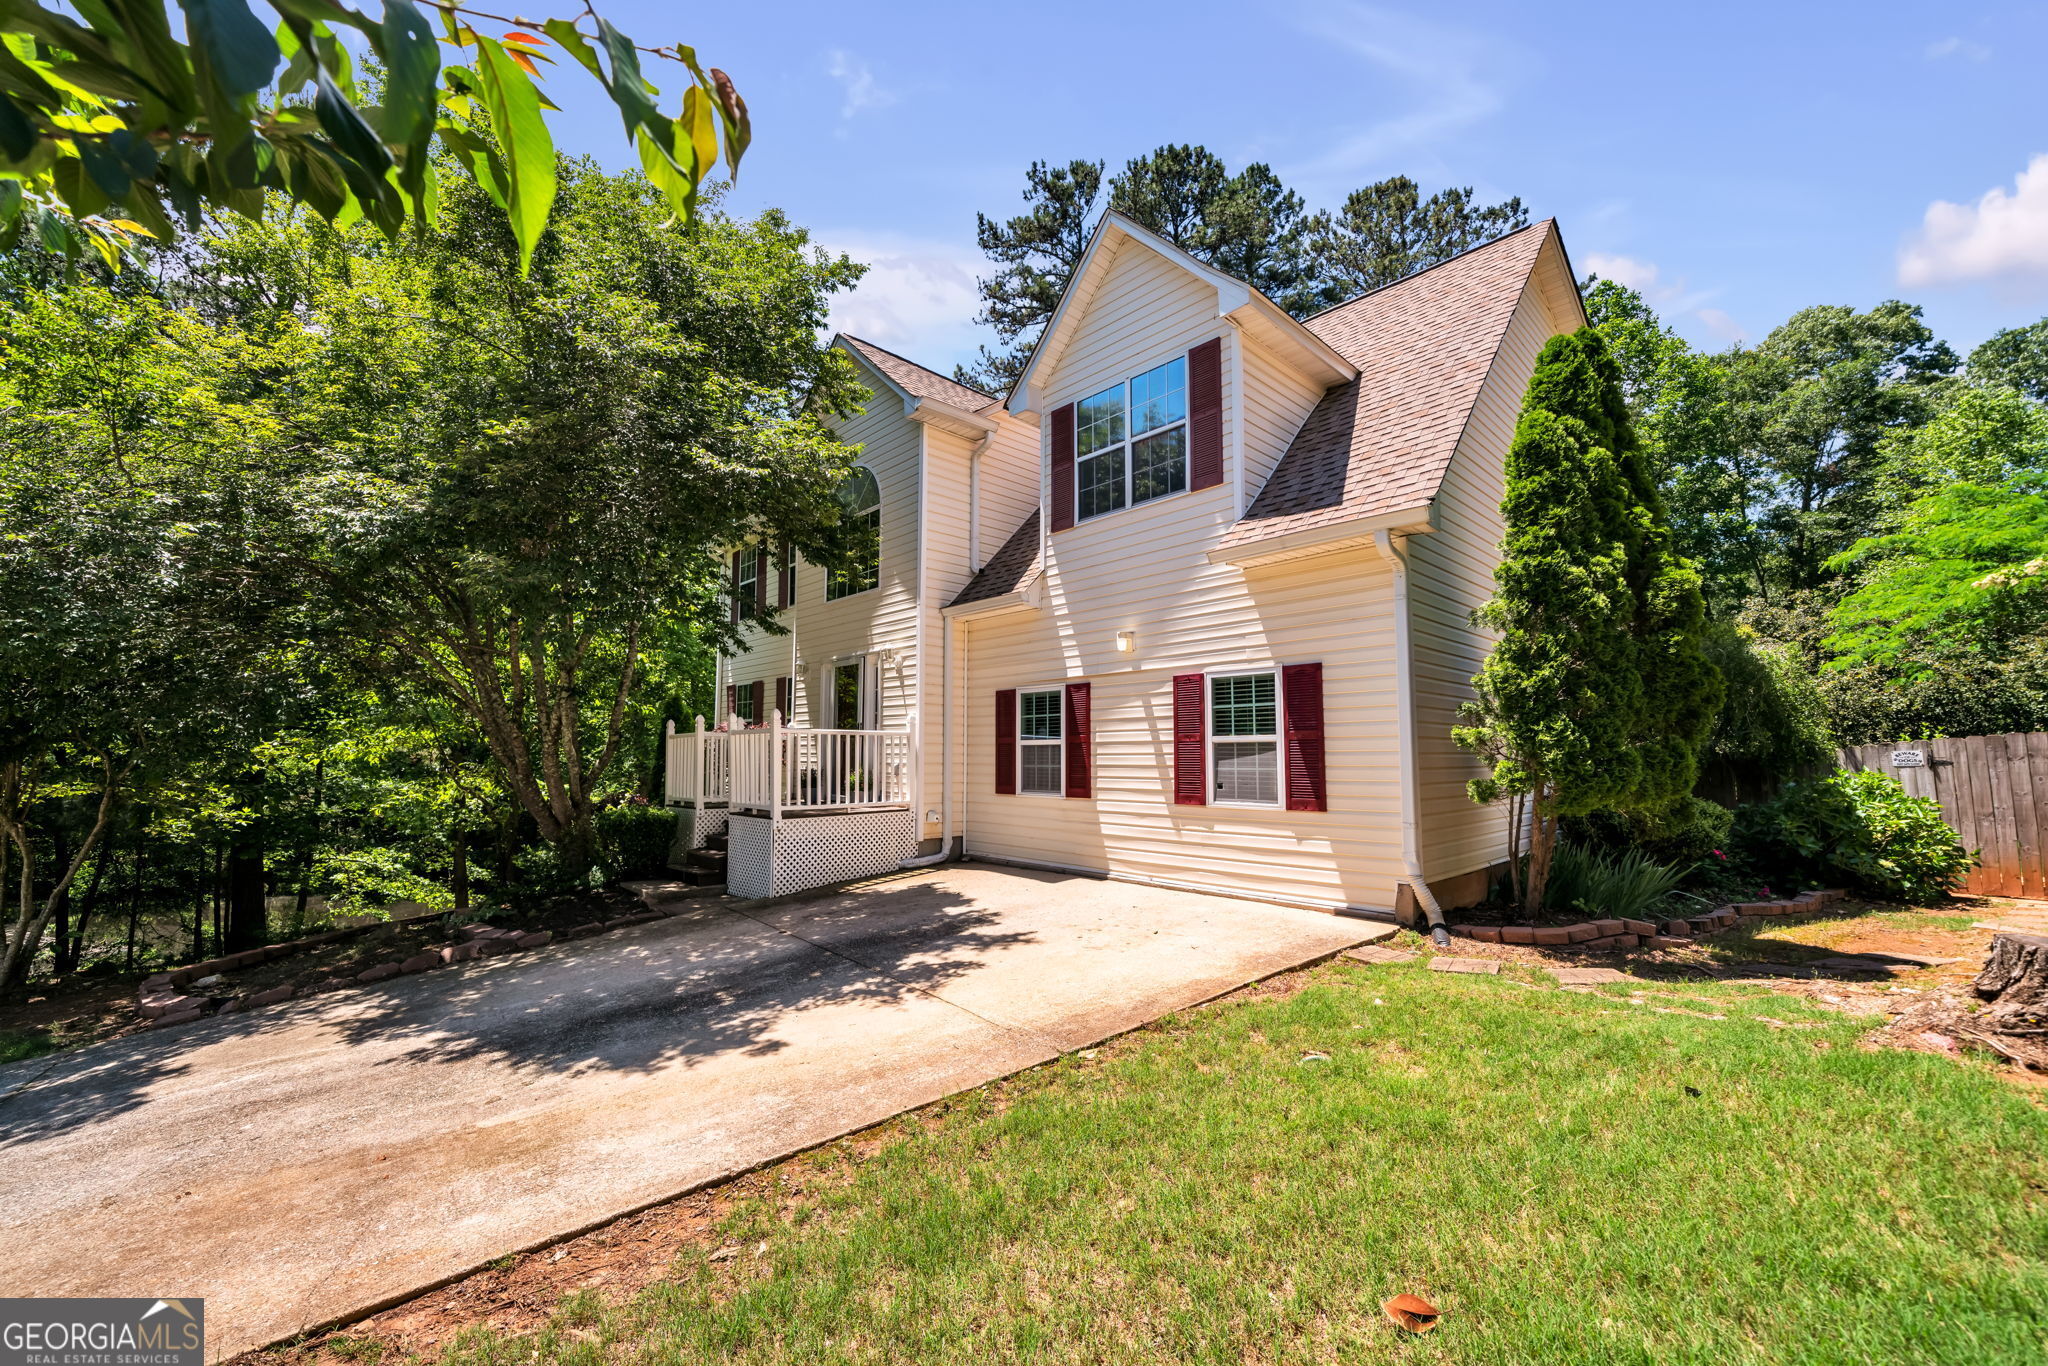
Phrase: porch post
[915,778]
[697,780]
[775,765]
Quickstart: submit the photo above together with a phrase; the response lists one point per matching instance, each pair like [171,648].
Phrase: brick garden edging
[1629,934]
[160,1002]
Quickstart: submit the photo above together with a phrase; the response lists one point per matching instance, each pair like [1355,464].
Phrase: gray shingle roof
[1009,569]
[1383,441]
[916,380]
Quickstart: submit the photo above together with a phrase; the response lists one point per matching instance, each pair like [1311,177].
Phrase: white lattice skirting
[767,859]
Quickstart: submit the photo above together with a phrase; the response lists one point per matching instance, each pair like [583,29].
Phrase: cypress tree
[1597,694]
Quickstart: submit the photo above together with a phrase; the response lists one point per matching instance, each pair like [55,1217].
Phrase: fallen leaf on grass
[1411,1312]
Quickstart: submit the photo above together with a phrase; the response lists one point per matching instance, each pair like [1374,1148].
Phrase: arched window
[860,501]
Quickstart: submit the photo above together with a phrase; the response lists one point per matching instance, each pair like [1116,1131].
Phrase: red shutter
[760,714]
[782,697]
[732,702]
[1190,761]
[1063,468]
[1006,742]
[1205,414]
[761,576]
[1080,742]
[785,572]
[1301,695]
[735,586]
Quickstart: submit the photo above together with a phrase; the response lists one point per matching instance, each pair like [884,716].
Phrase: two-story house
[1190,606]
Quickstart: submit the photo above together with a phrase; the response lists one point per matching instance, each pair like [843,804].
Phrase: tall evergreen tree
[1597,694]
[1388,231]
[1248,225]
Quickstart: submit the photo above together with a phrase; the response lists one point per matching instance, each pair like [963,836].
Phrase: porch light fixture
[1126,641]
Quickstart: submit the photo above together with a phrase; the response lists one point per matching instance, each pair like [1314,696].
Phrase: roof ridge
[1418,274]
[898,355]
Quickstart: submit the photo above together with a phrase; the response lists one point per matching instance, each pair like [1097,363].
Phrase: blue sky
[1736,162]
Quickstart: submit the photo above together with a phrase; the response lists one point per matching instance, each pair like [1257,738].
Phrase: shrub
[1626,882]
[1686,832]
[635,838]
[1861,828]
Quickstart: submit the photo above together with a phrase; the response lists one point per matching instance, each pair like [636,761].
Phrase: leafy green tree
[1597,693]
[2016,358]
[1773,722]
[1678,404]
[1986,435]
[510,493]
[1809,408]
[114,130]
[1388,231]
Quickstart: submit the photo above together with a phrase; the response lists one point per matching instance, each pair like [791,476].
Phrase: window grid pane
[1039,715]
[1040,771]
[1102,483]
[1243,705]
[1159,396]
[1099,421]
[1159,465]
[1248,771]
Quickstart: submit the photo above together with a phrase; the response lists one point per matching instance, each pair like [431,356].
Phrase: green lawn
[1569,1177]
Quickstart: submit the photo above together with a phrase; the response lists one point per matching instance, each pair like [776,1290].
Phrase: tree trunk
[134,902]
[73,952]
[2015,981]
[248,924]
[458,877]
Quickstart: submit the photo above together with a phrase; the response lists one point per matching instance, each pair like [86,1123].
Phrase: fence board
[1993,789]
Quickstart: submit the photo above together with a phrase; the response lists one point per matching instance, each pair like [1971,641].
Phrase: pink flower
[1721,856]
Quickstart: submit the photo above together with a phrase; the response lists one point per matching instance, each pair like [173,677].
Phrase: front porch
[785,809]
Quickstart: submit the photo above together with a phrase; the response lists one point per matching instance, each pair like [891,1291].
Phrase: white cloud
[2002,237]
[861,91]
[1670,297]
[1448,71]
[918,297]
[1721,325]
[1958,47]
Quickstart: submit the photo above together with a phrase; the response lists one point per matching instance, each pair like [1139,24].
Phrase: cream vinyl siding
[1191,616]
[1277,400]
[883,618]
[1451,573]
[1009,483]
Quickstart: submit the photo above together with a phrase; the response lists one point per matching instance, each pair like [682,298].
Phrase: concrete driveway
[321,1159]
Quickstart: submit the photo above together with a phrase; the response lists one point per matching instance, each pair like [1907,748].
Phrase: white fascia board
[1029,598]
[947,417]
[1413,521]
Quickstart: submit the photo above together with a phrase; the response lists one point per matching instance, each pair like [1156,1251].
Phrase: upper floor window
[1131,441]
[860,502]
[747,582]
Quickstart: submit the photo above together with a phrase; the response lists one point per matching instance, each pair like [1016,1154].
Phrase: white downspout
[946,673]
[1396,556]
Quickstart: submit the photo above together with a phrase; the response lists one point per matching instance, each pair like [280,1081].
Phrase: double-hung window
[1041,752]
[1244,739]
[1131,441]
[743,704]
[748,586]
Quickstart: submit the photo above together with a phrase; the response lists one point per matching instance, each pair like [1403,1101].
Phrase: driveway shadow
[704,984]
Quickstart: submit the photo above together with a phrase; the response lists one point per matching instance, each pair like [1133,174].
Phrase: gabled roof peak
[914,381]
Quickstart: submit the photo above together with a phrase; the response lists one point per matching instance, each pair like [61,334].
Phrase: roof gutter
[1396,556]
[1315,540]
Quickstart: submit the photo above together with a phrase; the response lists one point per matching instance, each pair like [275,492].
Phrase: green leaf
[344,123]
[242,51]
[529,150]
[17,134]
[412,65]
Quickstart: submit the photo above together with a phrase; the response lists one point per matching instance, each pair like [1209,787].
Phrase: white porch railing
[779,770]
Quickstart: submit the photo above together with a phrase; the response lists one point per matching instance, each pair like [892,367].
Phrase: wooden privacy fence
[1994,791]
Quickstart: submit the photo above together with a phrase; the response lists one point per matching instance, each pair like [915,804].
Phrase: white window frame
[1278,738]
[1059,694]
[1130,441]
[748,588]
[837,579]
[744,692]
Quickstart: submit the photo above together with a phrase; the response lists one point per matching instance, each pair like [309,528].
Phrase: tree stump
[2015,981]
